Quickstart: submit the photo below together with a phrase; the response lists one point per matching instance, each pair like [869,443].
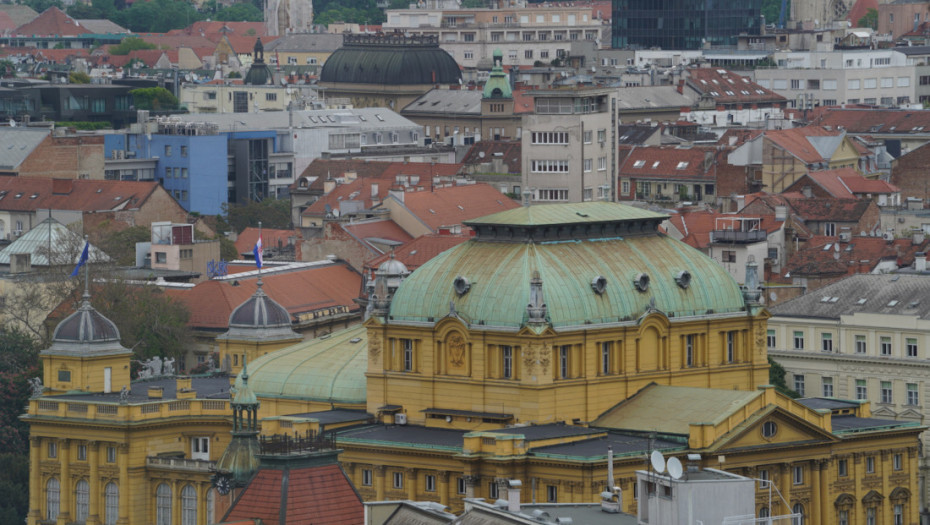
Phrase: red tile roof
[814,258]
[847,183]
[52,22]
[377,229]
[222,28]
[485,151]
[840,210]
[665,162]
[67,194]
[246,44]
[321,495]
[737,137]
[270,239]
[60,56]
[523,102]
[795,141]
[726,87]
[451,206]
[416,252]
[177,41]
[298,291]
[697,225]
[860,120]
[6,23]
[860,9]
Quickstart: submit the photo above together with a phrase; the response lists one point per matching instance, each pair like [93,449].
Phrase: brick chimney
[62,186]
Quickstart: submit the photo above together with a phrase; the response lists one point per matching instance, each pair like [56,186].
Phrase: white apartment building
[876,77]
[866,337]
[569,146]
[525,35]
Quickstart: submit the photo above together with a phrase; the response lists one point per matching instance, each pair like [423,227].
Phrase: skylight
[639,164]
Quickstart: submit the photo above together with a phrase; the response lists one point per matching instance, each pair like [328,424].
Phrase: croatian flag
[83,260]
[257,252]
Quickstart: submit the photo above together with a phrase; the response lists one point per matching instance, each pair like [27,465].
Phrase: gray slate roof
[864,293]
[102,26]
[17,143]
[306,43]
[358,118]
[455,102]
[652,97]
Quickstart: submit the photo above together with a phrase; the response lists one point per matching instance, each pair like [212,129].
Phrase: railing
[193,465]
[286,444]
[132,412]
[739,236]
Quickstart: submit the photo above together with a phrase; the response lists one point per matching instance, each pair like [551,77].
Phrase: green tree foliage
[104,9]
[771,9]
[129,44]
[351,11]
[19,361]
[869,20]
[77,77]
[154,98]
[7,69]
[84,125]
[273,213]
[777,378]
[121,245]
[149,321]
[14,487]
[41,5]
[239,13]
[158,16]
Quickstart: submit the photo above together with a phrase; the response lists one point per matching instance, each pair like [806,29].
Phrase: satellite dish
[658,461]
[674,468]
[773,296]
[836,247]
[836,256]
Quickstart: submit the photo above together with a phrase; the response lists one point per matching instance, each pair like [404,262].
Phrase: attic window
[460,207]
[703,82]
[893,302]
[682,165]
[714,93]
[759,91]
[34,195]
[828,246]
[18,195]
[914,304]
[825,299]
[861,300]
[431,211]
[655,164]
[379,117]
[834,299]
[362,118]
[355,340]
[743,91]
[730,93]
[313,119]
[639,164]
[722,71]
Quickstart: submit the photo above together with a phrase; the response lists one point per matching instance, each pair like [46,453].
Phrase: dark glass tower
[683,24]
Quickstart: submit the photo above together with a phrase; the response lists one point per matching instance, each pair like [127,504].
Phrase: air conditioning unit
[400,419]
[117,154]
[845,236]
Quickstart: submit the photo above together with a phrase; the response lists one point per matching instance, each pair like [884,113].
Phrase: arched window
[163,505]
[52,499]
[798,509]
[111,504]
[82,500]
[188,505]
[764,512]
[211,504]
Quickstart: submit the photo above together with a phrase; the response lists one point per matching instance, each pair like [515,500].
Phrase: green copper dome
[597,263]
[330,369]
[498,84]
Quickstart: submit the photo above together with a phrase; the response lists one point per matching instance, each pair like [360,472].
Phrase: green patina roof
[500,272]
[650,409]
[498,84]
[331,369]
[588,212]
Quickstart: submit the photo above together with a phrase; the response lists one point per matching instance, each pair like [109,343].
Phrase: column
[379,482]
[444,488]
[825,505]
[411,481]
[470,483]
[816,492]
[67,488]
[35,480]
[202,502]
[96,491]
[176,500]
[785,487]
[123,459]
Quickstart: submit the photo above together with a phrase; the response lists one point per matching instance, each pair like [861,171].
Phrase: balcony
[178,464]
[736,236]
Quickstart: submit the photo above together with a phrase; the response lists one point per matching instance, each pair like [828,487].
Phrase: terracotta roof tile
[873,120]
[841,210]
[485,151]
[845,183]
[816,258]
[251,29]
[451,206]
[796,141]
[67,194]
[665,162]
[270,239]
[726,87]
[6,23]
[377,229]
[416,252]
[298,291]
[697,225]
[52,22]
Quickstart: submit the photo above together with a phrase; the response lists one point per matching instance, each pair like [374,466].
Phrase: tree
[129,44]
[77,77]
[777,379]
[7,69]
[771,10]
[273,213]
[154,98]
[121,245]
[41,5]
[869,20]
[239,13]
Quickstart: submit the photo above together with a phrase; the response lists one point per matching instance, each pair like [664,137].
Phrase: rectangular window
[550,166]
[183,173]
[183,151]
[52,449]
[588,136]
[860,344]
[492,490]
[64,376]
[842,468]
[913,395]
[507,362]
[887,396]
[167,150]
[200,448]
[829,229]
[799,384]
[407,345]
[770,339]
[460,485]
[430,483]
[731,347]
[601,163]
[398,480]
[912,347]
[271,97]
[689,350]
[764,476]
[366,477]
[798,340]
[552,494]
[528,54]
[862,391]
[588,164]
[886,345]
[564,353]
[827,386]
[896,462]
[826,342]
[111,454]
[870,465]
[605,357]
[728,256]
[552,195]
[82,452]
[798,475]
[899,508]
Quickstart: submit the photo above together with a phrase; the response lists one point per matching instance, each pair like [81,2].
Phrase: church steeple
[240,459]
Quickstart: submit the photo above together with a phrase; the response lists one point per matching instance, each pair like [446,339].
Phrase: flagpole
[87,272]
[261,255]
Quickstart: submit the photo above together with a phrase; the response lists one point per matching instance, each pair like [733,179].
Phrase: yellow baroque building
[559,336]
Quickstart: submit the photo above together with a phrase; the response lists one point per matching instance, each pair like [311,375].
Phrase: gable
[790,430]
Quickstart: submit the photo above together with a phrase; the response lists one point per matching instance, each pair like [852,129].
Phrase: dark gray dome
[392,59]
[259,311]
[86,325]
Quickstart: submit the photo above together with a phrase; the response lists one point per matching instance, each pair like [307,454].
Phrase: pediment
[756,432]
[884,413]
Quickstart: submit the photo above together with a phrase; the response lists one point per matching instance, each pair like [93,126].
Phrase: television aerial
[658,461]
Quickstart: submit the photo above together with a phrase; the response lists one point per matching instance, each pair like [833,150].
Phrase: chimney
[917,237]
[864,266]
[920,262]
[513,495]
[62,186]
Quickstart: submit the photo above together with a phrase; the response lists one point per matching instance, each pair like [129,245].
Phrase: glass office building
[683,24]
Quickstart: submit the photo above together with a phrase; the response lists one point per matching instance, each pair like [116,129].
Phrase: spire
[536,310]
[240,459]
